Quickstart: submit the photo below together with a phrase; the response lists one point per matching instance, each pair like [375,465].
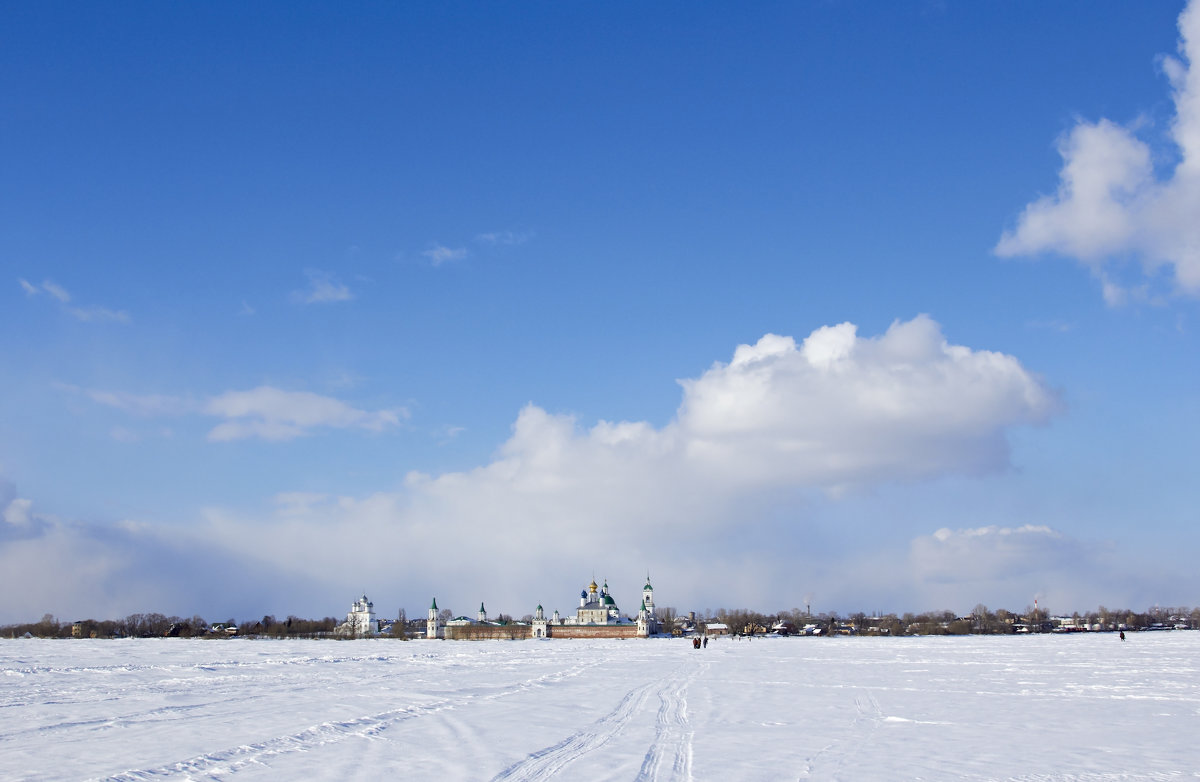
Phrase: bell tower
[432,626]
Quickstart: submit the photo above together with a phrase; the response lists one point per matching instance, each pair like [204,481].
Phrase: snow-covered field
[1077,707]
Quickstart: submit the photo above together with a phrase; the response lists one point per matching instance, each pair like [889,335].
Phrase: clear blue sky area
[299,300]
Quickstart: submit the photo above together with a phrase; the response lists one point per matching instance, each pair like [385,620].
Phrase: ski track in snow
[1063,709]
[672,736]
[546,763]
[216,765]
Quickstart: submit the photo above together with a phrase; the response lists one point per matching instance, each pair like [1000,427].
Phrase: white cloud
[274,414]
[294,503]
[264,412]
[91,314]
[99,315]
[450,432]
[840,411]
[439,254]
[138,404]
[123,435]
[55,290]
[1013,565]
[323,288]
[511,238]
[109,570]
[843,410]
[713,503]
[17,512]
[1110,204]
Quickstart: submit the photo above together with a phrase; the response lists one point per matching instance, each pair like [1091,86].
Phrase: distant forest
[981,621]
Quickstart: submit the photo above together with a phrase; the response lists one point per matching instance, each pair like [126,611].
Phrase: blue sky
[447,300]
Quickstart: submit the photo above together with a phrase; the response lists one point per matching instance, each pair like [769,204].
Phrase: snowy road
[1035,708]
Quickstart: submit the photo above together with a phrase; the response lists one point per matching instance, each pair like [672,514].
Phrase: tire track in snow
[214,765]
[673,734]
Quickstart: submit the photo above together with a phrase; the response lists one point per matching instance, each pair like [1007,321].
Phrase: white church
[360,622]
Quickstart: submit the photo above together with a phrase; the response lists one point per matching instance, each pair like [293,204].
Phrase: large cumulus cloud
[780,421]
[840,410]
[707,502]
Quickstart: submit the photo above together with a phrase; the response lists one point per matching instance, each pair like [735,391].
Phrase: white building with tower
[361,620]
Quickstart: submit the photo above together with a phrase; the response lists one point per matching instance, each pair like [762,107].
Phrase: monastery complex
[597,617]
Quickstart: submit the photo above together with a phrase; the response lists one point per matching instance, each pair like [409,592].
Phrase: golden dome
[592,586]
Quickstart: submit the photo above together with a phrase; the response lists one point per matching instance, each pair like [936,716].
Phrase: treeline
[161,626]
[741,621]
[981,621]
[292,627]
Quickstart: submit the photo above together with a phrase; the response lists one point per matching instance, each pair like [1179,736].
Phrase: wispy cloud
[274,414]
[447,433]
[505,237]
[99,315]
[144,405]
[439,254]
[124,435]
[89,314]
[323,288]
[264,412]
[1054,324]
[57,291]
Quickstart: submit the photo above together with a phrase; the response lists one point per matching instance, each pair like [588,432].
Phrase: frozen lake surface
[1084,707]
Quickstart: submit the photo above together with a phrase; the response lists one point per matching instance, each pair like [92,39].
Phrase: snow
[1077,707]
